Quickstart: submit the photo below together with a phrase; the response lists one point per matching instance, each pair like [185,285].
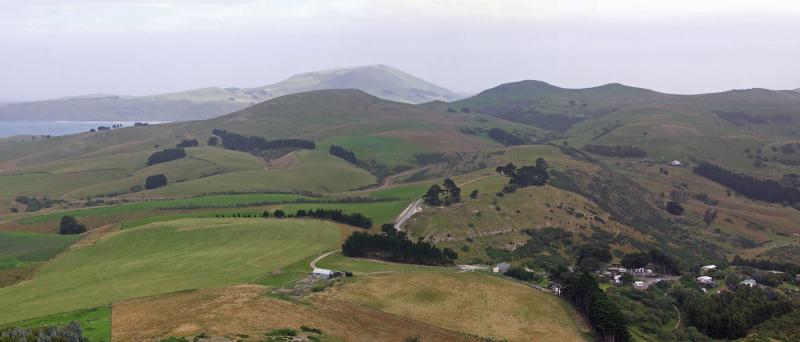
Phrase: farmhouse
[322,273]
[501,267]
[749,282]
[638,283]
[705,280]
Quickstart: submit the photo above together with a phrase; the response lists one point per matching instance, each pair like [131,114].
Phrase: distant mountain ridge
[378,80]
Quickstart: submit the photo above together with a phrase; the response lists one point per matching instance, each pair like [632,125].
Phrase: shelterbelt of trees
[395,246]
[752,187]
[238,142]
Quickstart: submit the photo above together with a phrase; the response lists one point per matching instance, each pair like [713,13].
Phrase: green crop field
[316,171]
[203,201]
[20,248]
[385,150]
[95,322]
[165,257]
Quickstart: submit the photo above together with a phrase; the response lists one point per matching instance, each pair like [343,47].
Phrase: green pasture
[20,248]
[95,322]
[165,257]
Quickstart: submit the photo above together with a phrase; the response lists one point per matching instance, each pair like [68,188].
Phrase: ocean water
[53,128]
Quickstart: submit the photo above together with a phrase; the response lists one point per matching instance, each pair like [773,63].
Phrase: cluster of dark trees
[760,189]
[343,153]
[527,175]
[661,262]
[581,290]
[212,141]
[395,246]
[730,314]
[767,265]
[505,137]
[70,226]
[674,208]
[187,143]
[71,332]
[238,142]
[34,204]
[446,194]
[155,181]
[336,215]
[520,274]
[593,256]
[166,155]
[616,151]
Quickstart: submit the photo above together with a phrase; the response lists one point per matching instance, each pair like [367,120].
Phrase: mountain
[382,81]
[379,80]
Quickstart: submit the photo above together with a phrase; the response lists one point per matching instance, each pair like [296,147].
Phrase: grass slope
[95,322]
[20,248]
[487,306]
[165,257]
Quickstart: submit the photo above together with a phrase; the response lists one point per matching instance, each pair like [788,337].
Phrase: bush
[155,181]
[164,156]
[187,143]
[674,208]
[70,226]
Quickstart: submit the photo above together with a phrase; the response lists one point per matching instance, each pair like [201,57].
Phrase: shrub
[70,226]
[155,181]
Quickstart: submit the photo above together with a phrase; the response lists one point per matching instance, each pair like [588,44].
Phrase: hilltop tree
[213,141]
[452,190]
[432,196]
[70,226]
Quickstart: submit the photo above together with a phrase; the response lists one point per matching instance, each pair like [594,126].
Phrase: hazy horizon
[143,47]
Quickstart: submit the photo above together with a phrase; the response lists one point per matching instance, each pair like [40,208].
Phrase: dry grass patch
[247,310]
[487,306]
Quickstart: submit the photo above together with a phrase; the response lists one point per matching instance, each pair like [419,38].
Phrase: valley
[208,227]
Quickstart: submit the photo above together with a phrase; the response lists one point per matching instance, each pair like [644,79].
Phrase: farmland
[131,263]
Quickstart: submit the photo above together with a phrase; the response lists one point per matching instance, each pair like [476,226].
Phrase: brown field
[487,306]
[247,310]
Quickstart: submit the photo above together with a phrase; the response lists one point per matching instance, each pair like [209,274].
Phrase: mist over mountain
[379,80]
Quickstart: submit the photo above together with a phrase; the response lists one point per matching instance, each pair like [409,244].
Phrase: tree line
[730,314]
[616,151]
[752,187]
[582,291]
[343,153]
[166,155]
[396,247]
[528,175]
[768,265]
[252,144]
[335,215]
[505,137]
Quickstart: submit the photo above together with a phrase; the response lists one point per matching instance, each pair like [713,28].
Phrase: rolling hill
[378,80]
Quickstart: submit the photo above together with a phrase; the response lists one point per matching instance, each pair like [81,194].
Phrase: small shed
[322,273]
[707,268]
[638,283]
[676,163]
[501,267]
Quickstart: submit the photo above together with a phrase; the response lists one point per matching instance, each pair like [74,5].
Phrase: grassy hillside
[198,254]
[20,248]
[486,306]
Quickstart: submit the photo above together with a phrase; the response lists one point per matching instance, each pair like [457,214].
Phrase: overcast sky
[58,48]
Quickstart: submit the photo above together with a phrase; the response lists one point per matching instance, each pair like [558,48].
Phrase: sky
[56,48]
